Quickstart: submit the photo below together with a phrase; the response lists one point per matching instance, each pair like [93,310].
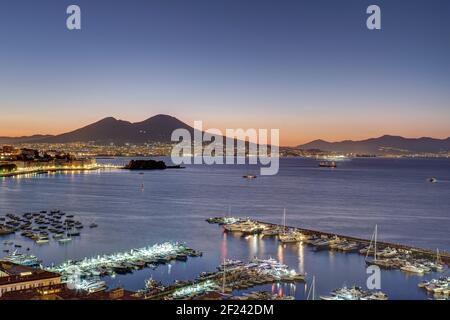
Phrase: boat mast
[374,241]
[284,221]
[375,246]
[312,290]
[223,283]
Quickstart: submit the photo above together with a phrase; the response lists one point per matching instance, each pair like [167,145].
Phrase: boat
[321,244]
[181,257]
[438,265]
[42,240]
[373,240]
[287,236]
[93,225]
[410,268]
[432,180]
[73,233]
[311,293]
[272,232]
[249,177]
[327,164]
[65,239]
[354,293]
[22,259]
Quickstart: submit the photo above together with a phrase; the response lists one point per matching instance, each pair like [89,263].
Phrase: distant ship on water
[327,164]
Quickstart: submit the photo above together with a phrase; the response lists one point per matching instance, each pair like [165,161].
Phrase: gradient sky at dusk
[310,68]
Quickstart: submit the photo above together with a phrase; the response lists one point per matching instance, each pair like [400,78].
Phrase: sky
[309,68]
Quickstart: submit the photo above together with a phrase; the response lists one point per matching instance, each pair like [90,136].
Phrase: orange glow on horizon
[292,132]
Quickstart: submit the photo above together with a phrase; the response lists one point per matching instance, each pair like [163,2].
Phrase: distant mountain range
[382,145]
[160,127]
[110,130]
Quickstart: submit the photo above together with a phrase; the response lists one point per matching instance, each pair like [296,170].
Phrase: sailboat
[225,291]
[65,239]
[438,266]
[311,294]
[287,237]
[375,260]
[374,240]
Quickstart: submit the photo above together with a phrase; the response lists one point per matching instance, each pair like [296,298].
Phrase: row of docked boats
[90,286]
[385,257]
[354,293]
[123,262]
[247,227]
[402,259]
[261,295]
[22,259]
[223,220]
[230,275]
[439,287]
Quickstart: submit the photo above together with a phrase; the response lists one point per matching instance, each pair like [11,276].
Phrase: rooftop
[17,273]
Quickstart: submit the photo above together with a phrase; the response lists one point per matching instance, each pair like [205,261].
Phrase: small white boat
[64,240]
[42,241]
[412,269]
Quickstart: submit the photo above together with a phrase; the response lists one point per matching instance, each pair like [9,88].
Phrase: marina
[405,258]
[438,287]
[122,262]
[231,275]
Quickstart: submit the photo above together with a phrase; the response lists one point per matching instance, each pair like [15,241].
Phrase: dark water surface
[173,205]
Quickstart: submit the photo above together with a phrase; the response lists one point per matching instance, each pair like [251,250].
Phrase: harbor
[383,254]
[230,276]
[122,262]
[165,211]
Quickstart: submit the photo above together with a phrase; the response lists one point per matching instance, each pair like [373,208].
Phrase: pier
[248,227]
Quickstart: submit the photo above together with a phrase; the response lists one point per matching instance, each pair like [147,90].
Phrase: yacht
[412,269]
[22,259]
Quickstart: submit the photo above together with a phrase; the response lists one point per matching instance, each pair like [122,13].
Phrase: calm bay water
[173,205]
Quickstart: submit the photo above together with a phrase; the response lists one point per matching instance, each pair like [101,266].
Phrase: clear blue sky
[310,68]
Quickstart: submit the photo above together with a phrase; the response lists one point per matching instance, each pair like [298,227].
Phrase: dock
[232,224]
[72,272]
[230,275]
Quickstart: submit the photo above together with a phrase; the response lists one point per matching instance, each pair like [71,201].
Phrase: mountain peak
[107,119]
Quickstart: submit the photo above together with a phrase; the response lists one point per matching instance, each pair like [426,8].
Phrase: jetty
[328,240]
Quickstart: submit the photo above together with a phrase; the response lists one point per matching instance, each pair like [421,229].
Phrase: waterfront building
[15,277]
